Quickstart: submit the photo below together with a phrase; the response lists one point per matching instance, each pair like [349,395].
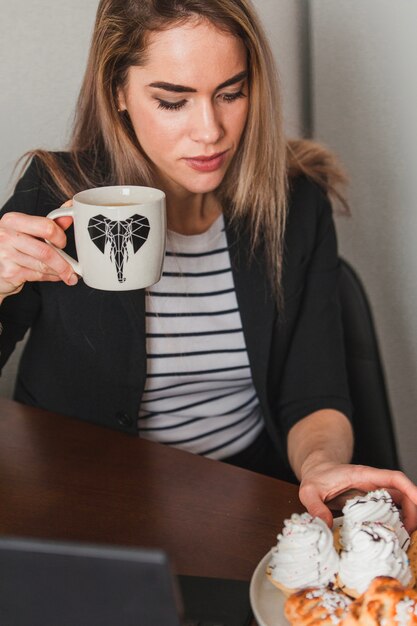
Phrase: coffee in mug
[120,235]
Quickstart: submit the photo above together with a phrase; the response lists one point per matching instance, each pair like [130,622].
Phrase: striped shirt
[199,395]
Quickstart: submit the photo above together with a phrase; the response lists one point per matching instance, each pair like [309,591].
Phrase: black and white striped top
[199,394]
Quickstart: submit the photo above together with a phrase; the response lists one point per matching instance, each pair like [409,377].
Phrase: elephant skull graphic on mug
[119,238]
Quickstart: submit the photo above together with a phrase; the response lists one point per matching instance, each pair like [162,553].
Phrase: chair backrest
[372,421]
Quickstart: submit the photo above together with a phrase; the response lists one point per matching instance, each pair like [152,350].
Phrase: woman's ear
[121,100]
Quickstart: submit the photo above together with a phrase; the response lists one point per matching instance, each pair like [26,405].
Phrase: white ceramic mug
[120,236]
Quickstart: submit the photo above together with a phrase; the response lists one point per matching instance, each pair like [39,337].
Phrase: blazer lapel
[257,307]
[134,305]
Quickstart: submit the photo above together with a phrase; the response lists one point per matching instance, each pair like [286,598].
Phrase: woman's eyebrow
[183,89]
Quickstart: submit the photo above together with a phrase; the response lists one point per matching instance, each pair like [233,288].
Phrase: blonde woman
[237,353]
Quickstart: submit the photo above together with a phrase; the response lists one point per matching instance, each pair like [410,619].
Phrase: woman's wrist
[319,439]
[316,460]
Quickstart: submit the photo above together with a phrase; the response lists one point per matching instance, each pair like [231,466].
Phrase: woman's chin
[204,183]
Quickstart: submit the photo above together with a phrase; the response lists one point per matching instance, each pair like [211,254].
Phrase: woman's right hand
[25,256]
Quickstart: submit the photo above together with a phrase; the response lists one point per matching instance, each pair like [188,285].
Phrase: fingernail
[73,280]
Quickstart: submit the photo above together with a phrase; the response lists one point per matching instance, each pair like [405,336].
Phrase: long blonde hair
[255,187]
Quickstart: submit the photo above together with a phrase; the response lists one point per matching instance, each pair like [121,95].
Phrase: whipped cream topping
[304,555]
[372,549]
[375,506]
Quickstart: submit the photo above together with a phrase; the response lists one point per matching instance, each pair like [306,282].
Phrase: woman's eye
[170,106]
[231,97]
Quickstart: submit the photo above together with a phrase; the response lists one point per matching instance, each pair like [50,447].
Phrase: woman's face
[188,104]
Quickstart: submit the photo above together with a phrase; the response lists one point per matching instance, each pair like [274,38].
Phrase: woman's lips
[207,164]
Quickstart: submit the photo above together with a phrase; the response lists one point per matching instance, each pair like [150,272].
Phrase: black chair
[372,421]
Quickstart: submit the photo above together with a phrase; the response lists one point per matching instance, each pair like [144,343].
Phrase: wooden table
[64,479]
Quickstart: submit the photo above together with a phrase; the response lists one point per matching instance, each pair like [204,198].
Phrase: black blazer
[86,354]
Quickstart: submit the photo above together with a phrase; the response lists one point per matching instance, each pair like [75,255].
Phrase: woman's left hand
[333,483]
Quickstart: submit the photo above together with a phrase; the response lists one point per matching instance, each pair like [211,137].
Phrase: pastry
[375,506]
[316,605]
[412,553]
[386,602]
[371,549]
[337,542]
[304,555]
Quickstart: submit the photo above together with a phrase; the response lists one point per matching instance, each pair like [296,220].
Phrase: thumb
[312,501]
[64,222]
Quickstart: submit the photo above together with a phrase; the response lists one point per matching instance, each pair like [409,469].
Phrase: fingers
[34,254]
[336,483]
[398,480]
[408,509]
[311,499]
[14,274]
[36,226]
[409,515]
[16,269]
[26,256]
[388,479]
[365,478]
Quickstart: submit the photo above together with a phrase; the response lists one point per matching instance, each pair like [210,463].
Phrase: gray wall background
[362,104]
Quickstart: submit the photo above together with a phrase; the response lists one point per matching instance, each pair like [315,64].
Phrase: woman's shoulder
[35,192]
[37,167]
[307,199]
[316,176]
[310,224]
[310,216]
[36,163]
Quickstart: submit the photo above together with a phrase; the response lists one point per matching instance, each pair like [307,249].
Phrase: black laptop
[44,583]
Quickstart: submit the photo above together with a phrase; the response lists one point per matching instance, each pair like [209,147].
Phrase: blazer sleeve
[18,312]
[314,375]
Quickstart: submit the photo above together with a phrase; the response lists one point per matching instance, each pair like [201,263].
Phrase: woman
[237,353]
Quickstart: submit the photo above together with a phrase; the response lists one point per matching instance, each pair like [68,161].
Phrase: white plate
[266,600]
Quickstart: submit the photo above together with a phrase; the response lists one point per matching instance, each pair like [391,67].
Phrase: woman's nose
[206,124]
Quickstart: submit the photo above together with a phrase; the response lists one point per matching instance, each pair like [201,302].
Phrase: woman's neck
[192,214]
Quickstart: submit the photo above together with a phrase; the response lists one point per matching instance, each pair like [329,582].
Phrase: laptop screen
[45,583]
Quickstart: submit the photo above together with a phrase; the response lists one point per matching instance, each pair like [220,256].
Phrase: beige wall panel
[365,107]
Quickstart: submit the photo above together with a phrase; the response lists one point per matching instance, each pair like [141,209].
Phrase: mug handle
[65,212]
